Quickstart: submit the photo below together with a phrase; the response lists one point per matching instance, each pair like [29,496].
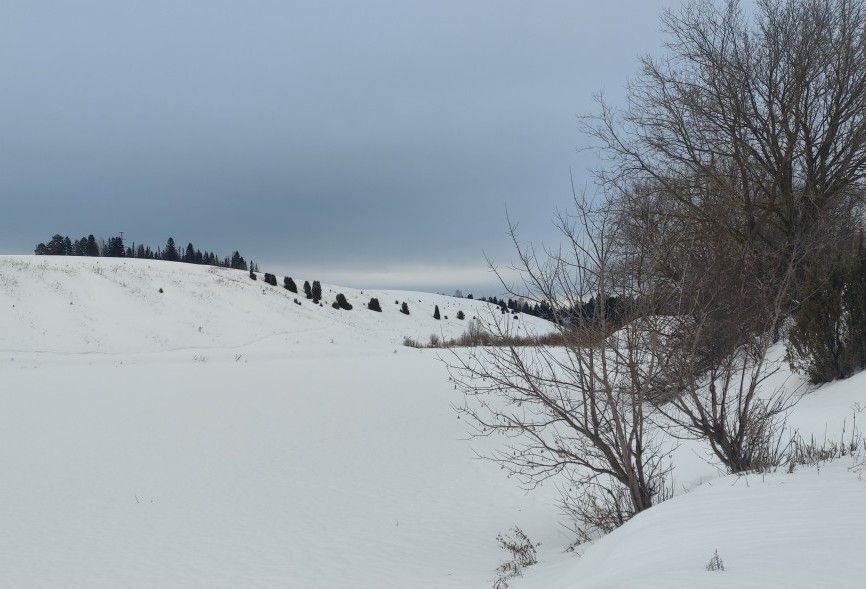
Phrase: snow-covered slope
[219,435]
[77,304]
[803,530]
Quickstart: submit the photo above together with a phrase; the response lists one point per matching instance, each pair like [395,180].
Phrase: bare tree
[577,410]
[752,126]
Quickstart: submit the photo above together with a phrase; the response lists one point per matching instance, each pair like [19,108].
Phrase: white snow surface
[113,305]
[219,435]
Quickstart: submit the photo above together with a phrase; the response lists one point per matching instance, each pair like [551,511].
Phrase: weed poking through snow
[522,551]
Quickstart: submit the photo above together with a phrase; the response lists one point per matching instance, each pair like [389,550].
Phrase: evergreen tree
[80,247]
[317,291]
[308,291]
[189,254]
[854,302]
[115,248]
[341,302]
[374,305]
[55,247]
[436,312]
[92,246]
[170,254]
[404,308]
[828,337]
[237,262]
[289,284]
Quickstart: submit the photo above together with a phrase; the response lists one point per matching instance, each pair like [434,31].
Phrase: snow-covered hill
[112,305]
[219,435]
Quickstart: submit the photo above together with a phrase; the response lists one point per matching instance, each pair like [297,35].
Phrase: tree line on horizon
[614,308]
[114,247]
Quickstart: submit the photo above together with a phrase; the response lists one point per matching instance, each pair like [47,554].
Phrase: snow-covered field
[219,435]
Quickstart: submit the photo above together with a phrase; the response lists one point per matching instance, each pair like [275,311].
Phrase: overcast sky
[366,143]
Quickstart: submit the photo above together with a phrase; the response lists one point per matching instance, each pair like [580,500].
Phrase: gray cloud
[380,138]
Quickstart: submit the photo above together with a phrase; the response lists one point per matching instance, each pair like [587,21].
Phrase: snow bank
[806,529]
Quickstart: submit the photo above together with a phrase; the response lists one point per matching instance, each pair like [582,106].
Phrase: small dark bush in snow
[404,308]
[342,303]
[373,305]
[297,302]
[253,275]
[460,315]
[160,291]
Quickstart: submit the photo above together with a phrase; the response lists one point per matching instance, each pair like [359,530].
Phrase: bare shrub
[593,510]
[412,343]
[522,554]
[478,334]
[811,452]
[731,406]
[579,411]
